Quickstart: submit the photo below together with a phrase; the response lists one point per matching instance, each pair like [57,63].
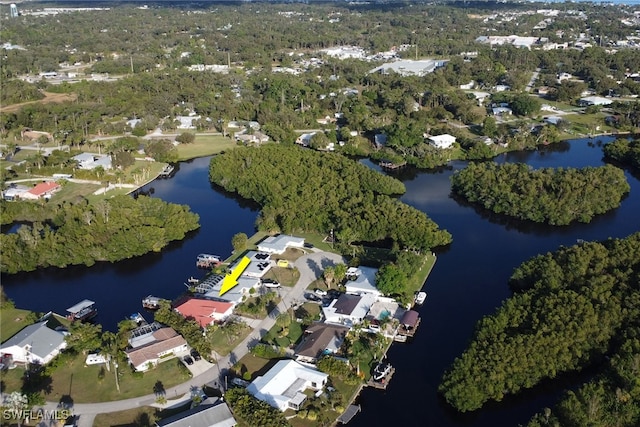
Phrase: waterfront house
[36,343]
[42,190]
[362,280]
[90,161]
[210,413]
[442,141]
[348,309]
[283,385]
[320,339]
[279,244]
[205,312]
[165,343]
[211,286]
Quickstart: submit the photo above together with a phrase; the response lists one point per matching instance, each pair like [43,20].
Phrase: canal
[468,281]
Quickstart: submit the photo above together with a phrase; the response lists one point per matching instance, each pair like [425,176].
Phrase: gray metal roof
[81,305]
[39,336]
[204,415]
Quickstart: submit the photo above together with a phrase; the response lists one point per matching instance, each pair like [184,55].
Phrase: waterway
[468,281]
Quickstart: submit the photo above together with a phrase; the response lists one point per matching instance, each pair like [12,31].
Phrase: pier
[389,165]
[167,172]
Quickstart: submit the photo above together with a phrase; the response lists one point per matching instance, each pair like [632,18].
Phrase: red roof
[204,311]
[44,188]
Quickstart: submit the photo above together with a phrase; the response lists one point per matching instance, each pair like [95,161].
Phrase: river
[468,281]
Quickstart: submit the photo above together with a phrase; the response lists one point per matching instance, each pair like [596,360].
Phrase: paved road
[534,77]
[310,266]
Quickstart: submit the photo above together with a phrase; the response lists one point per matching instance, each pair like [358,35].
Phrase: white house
[278,244]
[305,139]
[594,100]
[348,309]
[502,111]
[283,385]
[442,141]
[165,345]
[36,343]
[362,280]
[210,413]
[92,160]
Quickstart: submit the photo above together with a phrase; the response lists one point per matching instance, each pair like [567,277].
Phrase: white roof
[81,305]
[365,281]
[442,141]
[596,100]
[278,244]
[39,336]
[410,68]
[284,381]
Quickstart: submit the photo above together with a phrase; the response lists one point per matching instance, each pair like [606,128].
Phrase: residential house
[279,244]
[380,140]
[442,141]
[14,191]
[594,100]
[409,67]
[305,139]
[348,309]
[362,280]
[502,111]
[43,190]
[210,413]
[36,343]
[90,161]
[211,286]
[205,312]
[283,385]
[167,343]
[320,339]
[251,138]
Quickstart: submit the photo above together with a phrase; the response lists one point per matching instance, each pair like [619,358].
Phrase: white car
[320,292]
[270,283]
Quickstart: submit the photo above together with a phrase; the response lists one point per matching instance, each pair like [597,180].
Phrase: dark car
[308,245]
[195,354]
[188,360]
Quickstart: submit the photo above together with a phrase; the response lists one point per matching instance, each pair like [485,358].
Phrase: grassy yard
[12,320]
[250,366]
[205,145]
[416,282]
[223,341]
[309,310]
[85,384]
[284,276]
[259,306]
[284,337]
[138,417]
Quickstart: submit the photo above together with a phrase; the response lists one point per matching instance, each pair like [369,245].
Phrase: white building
[283,385]
[408,67]
[36,343]
[278,244]
[362,280]
[305,139]
[594,100]
[92,160]
[348,309]
[442,141]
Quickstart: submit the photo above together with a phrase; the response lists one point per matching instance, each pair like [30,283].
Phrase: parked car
[320,292]
[312,297]
[194,353]
[188,360]
[308,245]
[270,283]
[239,382]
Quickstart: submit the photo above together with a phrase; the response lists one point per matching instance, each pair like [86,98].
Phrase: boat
[151,302]
[193,281]
[207,260]
[381,370]
[137,317]
[167,172]
[82,311]
[420,297]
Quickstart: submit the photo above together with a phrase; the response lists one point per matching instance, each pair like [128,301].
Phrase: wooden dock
[389,165]
[382,384]
[349,413]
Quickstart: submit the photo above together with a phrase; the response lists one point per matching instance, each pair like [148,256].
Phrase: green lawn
[284,276]
[12,320]
[137,417]
[223,342]
[205,145]
[416,282]
[293,335]
[250,366]
[85,384]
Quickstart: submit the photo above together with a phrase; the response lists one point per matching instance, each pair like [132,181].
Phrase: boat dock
[167,172]
[82,311]
[408,325]
[389,165]
[208,261]
[151,302]
[382,383]
[349,413]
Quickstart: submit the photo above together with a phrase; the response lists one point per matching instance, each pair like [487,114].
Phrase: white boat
[420,297]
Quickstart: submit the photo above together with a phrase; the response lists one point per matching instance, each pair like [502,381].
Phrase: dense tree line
[611,399]
[302,190]
[624,151]
[553,196]
[569,309]
[82,233]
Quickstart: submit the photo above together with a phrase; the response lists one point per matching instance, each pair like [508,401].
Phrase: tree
[239,242]
[186,138]
[16,403]
[84,337]
[524,104]
[489,127]
[391,280]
